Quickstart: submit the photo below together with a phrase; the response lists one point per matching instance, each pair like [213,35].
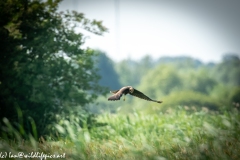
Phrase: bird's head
[131,89]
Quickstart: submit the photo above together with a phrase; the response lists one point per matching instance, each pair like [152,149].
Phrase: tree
[234,97]
[227,71]
[162,80]
[44,72]
[189,98]
[132,71]
[198,80]
[108,76]
[127,68]
[180,61]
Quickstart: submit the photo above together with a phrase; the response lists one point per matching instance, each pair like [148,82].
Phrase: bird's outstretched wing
[143,96]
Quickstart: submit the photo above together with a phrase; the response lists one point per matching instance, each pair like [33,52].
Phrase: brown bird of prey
[129,90]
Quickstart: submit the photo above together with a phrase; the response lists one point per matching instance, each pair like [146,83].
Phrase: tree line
[177,80]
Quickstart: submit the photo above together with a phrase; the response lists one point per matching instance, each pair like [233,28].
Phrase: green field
[174,135]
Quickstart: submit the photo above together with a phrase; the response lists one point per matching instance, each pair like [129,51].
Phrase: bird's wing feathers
[115,97]
[139,95]
[142,96]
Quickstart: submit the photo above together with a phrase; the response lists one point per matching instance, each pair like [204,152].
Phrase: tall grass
[174,135]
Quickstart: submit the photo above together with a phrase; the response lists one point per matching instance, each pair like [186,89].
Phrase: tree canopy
[44,71]
[108,76]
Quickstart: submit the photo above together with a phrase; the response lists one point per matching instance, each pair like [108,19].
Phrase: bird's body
[129,90]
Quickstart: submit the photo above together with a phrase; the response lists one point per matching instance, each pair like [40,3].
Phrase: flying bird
[129,90]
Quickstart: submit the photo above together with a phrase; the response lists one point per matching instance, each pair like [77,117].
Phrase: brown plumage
[129,90]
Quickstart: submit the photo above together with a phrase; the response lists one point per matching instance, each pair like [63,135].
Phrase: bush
[189,99]
[235,97]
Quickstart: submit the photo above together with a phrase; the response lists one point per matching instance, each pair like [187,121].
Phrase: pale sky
[201,29]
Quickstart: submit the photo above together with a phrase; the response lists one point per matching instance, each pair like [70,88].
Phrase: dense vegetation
[175,135]
[45,75]
[176,81]
[50,87]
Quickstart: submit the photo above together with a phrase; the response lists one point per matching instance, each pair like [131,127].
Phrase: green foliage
[180,62]
[167,75]
[228,71]
[131,72]
[162,80]
[109,77]
[43,70]
[234,97]
[175,135]
[220,93]
[198,80]
[168,78]
[126,68]
[189,99]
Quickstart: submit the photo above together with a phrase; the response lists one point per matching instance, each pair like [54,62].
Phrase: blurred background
[205,30]
[182,52]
